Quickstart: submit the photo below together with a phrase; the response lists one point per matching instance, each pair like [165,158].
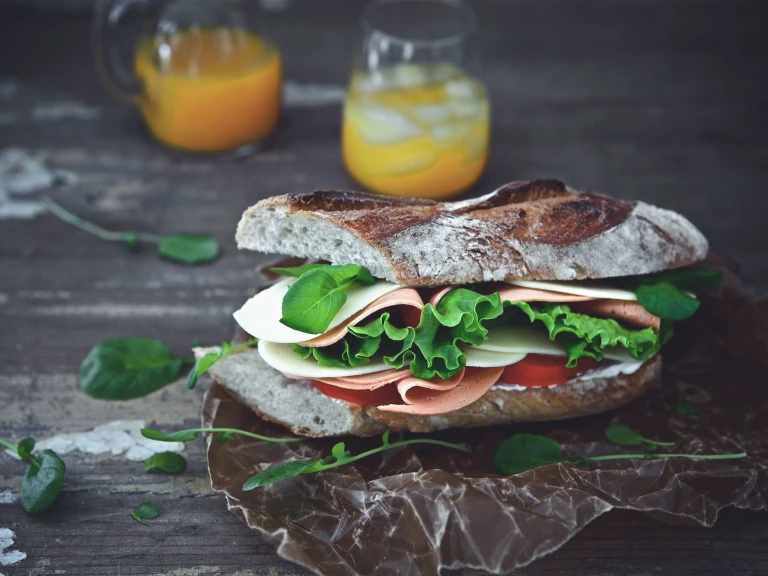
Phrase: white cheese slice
[591,289]
[526,340]
[520,340]
[282,358]
[260,316]
[485,359]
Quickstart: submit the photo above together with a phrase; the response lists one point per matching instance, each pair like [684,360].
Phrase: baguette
[540,230]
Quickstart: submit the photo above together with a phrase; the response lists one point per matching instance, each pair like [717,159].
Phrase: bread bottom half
[297,405]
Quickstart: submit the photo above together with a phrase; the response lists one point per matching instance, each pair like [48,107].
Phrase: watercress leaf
[339,451]
[296,271]
[131,241]
[127,368]
[522,452]
[623,435]
[280,472]
[666,301]
[580,461]
[201,365]
[687,409]
[224,437]
[42,482]
[181,436]
[189,248]
[312,302]
[385,438]
[25,449]
[169,462]
[144,511]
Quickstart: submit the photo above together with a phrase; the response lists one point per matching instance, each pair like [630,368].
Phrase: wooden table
[661,101]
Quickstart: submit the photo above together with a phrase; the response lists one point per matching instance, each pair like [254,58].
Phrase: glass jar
[202,77]
[416,122]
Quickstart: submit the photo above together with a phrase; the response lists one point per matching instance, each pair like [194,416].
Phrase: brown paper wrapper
[417,511]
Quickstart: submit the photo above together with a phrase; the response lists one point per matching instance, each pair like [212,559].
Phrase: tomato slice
[387,394]
[543,370]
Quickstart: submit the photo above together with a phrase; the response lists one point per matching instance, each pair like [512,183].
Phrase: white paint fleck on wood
[8,497]
[298,95]
[115,438]
[65,111]
[6,541]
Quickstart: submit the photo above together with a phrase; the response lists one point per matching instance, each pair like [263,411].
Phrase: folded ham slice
[368,381]
[427,401]
[518,294]
[402,297]
[631,312]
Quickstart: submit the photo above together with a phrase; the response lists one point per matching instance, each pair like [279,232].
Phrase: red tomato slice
[387,394]
[543,370]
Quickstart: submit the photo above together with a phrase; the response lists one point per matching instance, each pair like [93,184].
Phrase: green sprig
[339,456]
[180,247]
[205,362]
[42,482]
[193,433]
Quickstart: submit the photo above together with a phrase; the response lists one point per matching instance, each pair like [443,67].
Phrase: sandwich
[534,302]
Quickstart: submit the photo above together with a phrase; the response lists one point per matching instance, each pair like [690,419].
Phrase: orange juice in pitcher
[203,80]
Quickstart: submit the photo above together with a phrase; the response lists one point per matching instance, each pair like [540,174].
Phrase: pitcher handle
[113,71]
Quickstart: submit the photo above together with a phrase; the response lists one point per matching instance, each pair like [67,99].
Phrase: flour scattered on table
[22,173]
[7,558]
[8,497]
[121,437]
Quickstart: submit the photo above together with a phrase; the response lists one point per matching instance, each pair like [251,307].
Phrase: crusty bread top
[540,230]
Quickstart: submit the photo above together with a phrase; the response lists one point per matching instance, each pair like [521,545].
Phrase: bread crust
[539,230]
[297,405]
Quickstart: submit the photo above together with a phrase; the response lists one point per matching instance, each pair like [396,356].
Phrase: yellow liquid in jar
[209,90]
[416,130]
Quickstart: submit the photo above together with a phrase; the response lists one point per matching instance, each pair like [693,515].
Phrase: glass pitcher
[202,77]
[416,120]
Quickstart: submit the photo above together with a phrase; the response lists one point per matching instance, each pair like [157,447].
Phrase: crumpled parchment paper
[416,511]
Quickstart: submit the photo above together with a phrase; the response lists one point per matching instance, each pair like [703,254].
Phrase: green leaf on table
[127,368]
[181,436]
[312,302]
[522,452]
[685,408]
[42,482]
[623,435]
[25,449]
[189,248]
[169,462]
[280,472]
[666,301]
[144,511]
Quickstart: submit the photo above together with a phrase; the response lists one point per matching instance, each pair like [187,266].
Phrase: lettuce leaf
[463,317]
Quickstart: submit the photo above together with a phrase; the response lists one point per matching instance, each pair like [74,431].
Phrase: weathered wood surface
[663,101]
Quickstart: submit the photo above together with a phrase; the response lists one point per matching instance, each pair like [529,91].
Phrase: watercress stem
[244,433]
[13,448]
[98,231]
[460,447]
[8,445]
[653,456]
[657,443]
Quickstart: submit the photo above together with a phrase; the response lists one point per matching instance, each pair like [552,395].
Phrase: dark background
[663,101]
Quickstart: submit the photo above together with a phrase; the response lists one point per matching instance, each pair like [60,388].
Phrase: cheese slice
[520,340]
[282,358]
[524,340]
[260,316]
[591,289]
[479,358]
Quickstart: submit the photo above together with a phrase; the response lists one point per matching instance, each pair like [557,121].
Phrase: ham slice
[401,297]
[427,401]
[518,294]
[368,381]
[629,311]
[410,383]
